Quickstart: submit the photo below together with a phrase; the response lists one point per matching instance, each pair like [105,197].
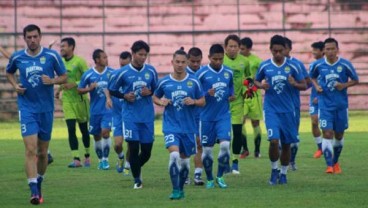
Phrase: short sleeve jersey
[75,67]
[279,97]
[131,79]
[38,97]
[217,106]
[329,74]
[303,70]
[240,68]
[97,95]
[178,117]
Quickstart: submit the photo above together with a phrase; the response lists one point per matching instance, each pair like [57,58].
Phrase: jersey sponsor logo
[43,60]
[178,99]
[331,81]
[219,90]
[101,85]
[278,83]
[137,88]
[33,75]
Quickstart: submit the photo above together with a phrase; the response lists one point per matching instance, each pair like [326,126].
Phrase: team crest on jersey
[339,69]
[287,69]
[226,75]
[43,60]
[147,76]
[189,84]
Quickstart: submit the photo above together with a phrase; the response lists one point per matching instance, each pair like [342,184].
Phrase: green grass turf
[309,186]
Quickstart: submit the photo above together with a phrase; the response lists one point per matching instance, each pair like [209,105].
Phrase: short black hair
[216,48]
[277,40]
[232,37]
[288,42]
[125,55]
[194,51]
[318,45]
[331,40]
[180,52]
[138,45]
[247,42]
[30,28]
[70,41]
[96,54]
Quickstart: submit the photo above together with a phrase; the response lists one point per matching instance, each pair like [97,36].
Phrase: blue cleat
[274,176]
[210,184]
[105,165]
[100,165]
[221,182]
[282,179]
[235,168]
[120,165]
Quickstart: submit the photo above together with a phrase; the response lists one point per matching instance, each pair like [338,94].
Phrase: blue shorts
[197,127]
[313,109]
[213,130]
[186,142]
[336,120]
[99,122]
[281,126]
[117,125]
[142,132]
[36,123]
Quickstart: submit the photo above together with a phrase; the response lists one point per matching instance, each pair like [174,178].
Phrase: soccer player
[240,67]
[334,75]
[138,81]
[94,81]
[116,105]
[7,55]
[37,67]
[253,100]
[75,106]
[278,76]
[317,51]
[296,98]
[194,64]
[215,118]
[180,93]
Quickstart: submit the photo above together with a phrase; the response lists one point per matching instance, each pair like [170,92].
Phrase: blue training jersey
[329,74]
[97,95]
[38,97]
[313,93]
[217,107]
[198,109]
[132,80]
[116,102]
[279,97]
[178,117]
[303,70]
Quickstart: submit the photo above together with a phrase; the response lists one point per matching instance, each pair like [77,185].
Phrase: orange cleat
[244,154]
[337,169]
[318,154]
[330,169]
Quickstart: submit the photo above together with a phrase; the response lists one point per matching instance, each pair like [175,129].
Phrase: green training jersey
[254,62]
[240,68]
[75,67]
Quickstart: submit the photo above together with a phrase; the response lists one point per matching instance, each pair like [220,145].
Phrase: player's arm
[5,53]
[316,85]
[108,99]
[301,85]
[160,101]
[340,86]
[18,88]
[61,79]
